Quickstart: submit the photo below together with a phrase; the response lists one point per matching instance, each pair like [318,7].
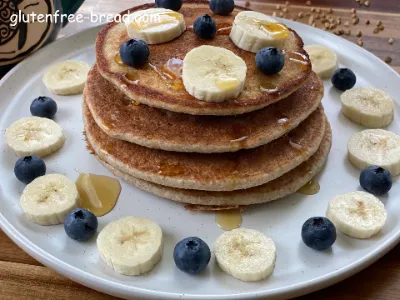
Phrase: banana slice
[67,77]
[49,198]
[357,214]
[155,25]
[246,254]
[323,60]
[35,136]
[369,107]
[131,245]
[252,31]
[213,74]
[375,147]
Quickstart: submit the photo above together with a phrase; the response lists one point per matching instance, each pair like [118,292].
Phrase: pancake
[273,190]
[216,172]
[155,128]
[147,86]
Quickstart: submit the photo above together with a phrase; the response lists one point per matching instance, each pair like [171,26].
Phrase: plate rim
[120,290]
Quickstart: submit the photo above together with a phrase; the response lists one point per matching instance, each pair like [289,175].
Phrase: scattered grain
[390,41]
[347,32]
[360,42]
[366,3]
[359,33]
[312,9]
[376,30]
[278,6]
[353,11]
[379,23]
[347,24]
[355,21]
[300,15]
[247,3]
[285,10]
[367,22]
[330,11]
[318,10]
[326,25]
[388,60]
[274,14]
[381,28]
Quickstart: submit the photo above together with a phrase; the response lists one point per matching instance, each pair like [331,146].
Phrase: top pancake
[150,88]
[161,129]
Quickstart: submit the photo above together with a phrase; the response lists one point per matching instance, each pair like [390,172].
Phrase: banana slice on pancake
[155,25]
[213,74]
[252,31]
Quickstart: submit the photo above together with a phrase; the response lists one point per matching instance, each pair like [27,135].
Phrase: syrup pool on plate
[311,188]
[228,219]
[98,193]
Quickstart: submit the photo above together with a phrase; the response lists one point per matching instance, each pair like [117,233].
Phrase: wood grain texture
[21,277]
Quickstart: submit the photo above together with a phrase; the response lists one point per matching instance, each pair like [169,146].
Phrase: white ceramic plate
[298,270]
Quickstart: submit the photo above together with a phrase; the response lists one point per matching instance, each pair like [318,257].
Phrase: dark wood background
[22,277]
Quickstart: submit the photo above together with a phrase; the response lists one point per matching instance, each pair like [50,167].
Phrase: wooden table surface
[22,277]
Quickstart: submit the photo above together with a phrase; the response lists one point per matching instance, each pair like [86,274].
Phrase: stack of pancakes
[146,129]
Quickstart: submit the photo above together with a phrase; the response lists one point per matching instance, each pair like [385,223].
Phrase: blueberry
[80,224]
[344,79]
[170,4]
[222,7]
[205,27]
[270,60]
[28,168]
[44,107]
[318,233]
[192,255]
[134,52]
[376,180]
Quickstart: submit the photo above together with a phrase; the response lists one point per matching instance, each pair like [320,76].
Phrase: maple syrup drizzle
[311,188]
[284,121]
[131,74]
[239,135]
[267,86]
[171,73]
[224,29]
[228,219]
[299,58]
[227,83]
[278,30]
[98,193]
[118,60]
[171,170]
